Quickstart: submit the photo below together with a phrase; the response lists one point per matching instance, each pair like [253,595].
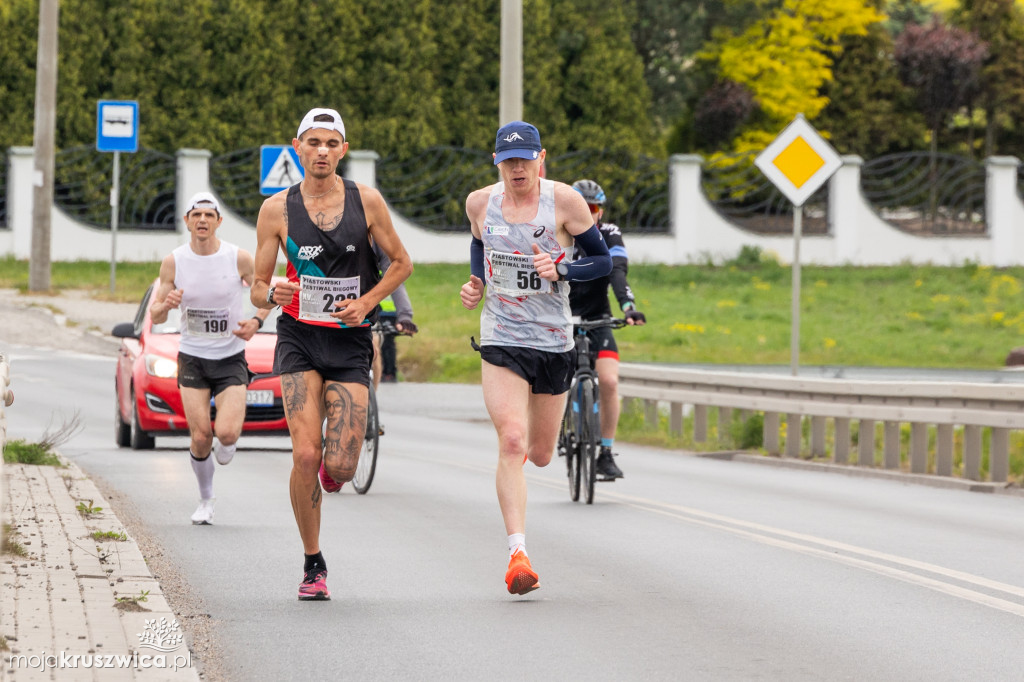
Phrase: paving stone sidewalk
[75,595]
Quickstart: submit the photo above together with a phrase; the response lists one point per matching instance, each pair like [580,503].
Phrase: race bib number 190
[513,274]
[207,323]
[318,296]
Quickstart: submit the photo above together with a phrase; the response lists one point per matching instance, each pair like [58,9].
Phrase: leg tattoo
[341,412]
[293,388]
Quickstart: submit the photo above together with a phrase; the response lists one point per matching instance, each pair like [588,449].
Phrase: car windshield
[173,323]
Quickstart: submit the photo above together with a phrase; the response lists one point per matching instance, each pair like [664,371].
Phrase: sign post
[117,130]
[798,162]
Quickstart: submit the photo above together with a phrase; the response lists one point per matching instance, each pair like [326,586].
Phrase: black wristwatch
[562,269]
[259,322]
[270,294]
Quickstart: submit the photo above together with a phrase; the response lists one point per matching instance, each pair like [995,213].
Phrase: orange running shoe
[520,576]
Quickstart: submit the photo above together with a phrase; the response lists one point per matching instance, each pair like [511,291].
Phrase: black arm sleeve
[597,262]
[476,258]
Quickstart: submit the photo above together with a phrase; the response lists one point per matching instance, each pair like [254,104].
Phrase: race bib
[513,274]
[318,295]
[207,323]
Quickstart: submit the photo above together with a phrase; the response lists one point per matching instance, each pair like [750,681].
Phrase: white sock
[517,542]
[225,453]
[204,475]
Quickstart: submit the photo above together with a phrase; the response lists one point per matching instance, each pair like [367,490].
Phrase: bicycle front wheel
[367,465]
[567,448]
[590,437]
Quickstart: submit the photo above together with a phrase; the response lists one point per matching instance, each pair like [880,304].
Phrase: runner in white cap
[324,226]
[207,278]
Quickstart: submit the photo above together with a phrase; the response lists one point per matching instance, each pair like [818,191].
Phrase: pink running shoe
[327,483]
[314,586]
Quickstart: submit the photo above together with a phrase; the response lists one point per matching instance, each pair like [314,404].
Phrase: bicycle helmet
[591,191]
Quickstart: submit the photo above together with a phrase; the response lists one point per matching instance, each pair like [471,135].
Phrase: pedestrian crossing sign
[279,168]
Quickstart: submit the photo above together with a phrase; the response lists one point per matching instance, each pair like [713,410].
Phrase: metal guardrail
[925,404]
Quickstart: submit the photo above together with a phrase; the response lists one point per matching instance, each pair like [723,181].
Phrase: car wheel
[122,431]
[140,440]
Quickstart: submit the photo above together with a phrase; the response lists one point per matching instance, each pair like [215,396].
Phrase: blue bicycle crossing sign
[279,168]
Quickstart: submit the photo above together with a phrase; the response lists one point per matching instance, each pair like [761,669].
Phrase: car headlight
[160,366]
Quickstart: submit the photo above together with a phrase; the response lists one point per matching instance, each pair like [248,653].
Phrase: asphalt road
[690,568]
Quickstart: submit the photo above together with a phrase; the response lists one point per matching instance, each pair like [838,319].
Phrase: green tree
[785,59]
[870,112]
[19,26]
[1000,23]
[941,63]
[599,88]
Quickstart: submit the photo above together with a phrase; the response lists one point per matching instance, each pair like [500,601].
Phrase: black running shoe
[605,466]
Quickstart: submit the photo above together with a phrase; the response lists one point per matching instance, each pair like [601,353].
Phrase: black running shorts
[337,354]
[216,375]
[546,372]
[602,343]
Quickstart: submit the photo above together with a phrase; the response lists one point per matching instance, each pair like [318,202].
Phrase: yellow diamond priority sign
[798,161]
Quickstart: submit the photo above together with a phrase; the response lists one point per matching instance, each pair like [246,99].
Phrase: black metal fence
[741,193]
[920,193]
[636,186]
[430,188]
[234,178]
[83,178]
[915,192]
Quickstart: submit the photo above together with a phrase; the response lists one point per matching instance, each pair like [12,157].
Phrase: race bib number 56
[318,296]
[513,274]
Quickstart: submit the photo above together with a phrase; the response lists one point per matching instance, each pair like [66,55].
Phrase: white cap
[308,122]
[203,199]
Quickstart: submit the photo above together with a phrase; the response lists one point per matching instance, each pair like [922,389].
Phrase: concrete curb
[76,596]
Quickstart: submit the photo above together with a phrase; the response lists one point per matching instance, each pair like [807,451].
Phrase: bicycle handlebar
[388,328]
[587,325]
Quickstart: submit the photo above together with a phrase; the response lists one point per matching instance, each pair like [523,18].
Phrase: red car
[148,402]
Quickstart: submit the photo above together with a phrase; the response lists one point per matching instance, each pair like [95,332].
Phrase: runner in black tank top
[324,226]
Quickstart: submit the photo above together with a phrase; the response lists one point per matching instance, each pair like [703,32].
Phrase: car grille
[258,414]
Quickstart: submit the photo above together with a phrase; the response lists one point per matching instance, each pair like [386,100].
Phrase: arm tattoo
[293,388]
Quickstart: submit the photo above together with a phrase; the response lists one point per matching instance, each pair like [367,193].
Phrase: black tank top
[344,251]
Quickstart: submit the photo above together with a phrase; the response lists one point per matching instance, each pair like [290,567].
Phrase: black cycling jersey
[589,299]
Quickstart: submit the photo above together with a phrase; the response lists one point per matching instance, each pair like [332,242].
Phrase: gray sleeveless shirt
[521,308]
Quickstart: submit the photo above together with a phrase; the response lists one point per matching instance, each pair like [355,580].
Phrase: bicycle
[580,435]
[367,465]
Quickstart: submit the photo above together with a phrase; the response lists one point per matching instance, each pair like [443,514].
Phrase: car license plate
[259,398]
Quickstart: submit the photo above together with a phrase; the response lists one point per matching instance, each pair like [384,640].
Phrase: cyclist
[396,311]
[589,300]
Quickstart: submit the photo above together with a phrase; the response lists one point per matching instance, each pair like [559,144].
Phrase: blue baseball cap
[516,140]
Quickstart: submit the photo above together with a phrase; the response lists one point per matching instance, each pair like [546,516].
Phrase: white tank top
[520,308]
[211,301]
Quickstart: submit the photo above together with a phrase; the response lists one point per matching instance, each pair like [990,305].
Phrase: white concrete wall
[858,236]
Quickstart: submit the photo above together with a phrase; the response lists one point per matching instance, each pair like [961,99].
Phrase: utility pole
[45,125]
[511,103]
